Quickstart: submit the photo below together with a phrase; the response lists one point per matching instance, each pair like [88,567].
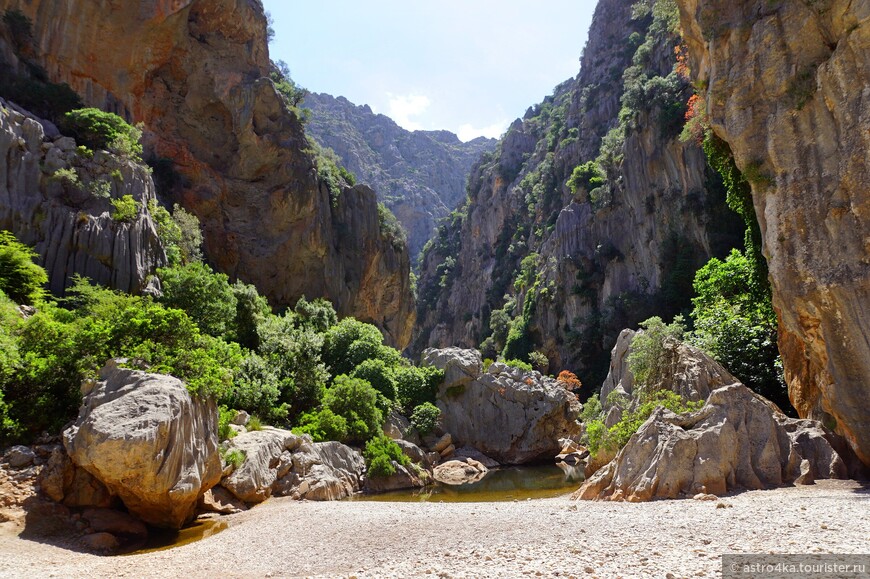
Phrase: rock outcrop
[149,442]
[786,88]
[738,440]
[575,267]
[56,199]
[197,75]
[460,472]
[280,463]
[682,369]
[419,175]
[507,413]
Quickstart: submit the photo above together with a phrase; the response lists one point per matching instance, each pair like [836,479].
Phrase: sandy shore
[551,538]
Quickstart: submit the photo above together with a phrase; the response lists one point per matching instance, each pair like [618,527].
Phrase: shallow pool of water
[161,540]
[516,483]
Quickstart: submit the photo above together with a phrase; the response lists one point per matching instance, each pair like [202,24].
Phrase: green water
[161,540]
[516,483]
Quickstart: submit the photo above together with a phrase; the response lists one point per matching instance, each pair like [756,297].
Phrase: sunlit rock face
[196,74]
[786,86]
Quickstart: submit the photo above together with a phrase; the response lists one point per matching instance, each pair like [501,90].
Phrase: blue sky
[468,66]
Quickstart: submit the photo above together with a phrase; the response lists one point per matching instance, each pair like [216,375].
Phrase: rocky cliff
[536,262]
[786,87]
[419,175]
[196,74]
[58,200]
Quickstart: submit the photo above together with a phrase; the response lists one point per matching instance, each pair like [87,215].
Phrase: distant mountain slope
[419,175]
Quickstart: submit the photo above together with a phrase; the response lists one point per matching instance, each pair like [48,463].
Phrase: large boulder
[149,442]
[507,413]
[280,463]
[738,440]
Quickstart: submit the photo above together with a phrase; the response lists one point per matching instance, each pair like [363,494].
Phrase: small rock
[443,443]
[705,497]
[20,456]
[448,452]
[806,477]
[589,569]
[241,418]
[100,542]
[724,505]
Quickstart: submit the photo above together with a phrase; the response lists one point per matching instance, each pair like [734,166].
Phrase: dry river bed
[548,537]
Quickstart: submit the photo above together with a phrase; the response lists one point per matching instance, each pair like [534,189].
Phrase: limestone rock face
[149,442]
[738,440]
[196,74]
[684,370]
[419,175]
[786,88]
[506,413]
[601,261]
[66,222]
[280,463]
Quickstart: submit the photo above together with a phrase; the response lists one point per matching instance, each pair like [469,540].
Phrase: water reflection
[504,484]
[573,472]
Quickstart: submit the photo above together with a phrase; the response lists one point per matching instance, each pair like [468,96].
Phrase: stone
[219,500]
[738,440]
[102,542]
[19,456]
[398,427]
[405,477]
[459,472]
[508,414]
[252,481]
[149,442]
[447,452]
[417,455]
[118,523]
[442,443]
[280,463]
[806,474]
[798,122]
[472,453]
[241,418]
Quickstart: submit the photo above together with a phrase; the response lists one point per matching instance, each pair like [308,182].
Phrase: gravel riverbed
[549,537]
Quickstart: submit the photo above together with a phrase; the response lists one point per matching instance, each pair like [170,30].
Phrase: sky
[467,66]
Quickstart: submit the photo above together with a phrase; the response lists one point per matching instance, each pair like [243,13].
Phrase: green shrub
[417,386]
[380,454]
[205,296]
[357,402]
[235,457]
[254,423]
[20,278]
[323,425]
[225,419]
[586,177]
[647,348]
[318,314]
[179,232]
[613,439]
[390,228]
[425,418]
[519,364]
[101,130]
[252,309]
[379,375]
[126,209]
[350,342]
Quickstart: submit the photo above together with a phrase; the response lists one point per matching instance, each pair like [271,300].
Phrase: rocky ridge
[419,175]
[197,75]
[57,199]
[797,126]
[570,269]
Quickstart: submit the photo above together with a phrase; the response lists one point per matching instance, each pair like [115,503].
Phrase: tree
[20,278]
[204,295]
[356,401]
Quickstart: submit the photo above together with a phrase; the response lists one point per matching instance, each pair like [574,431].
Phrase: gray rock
[405,477]
[70,228]
[149,442]
[252,481]
[460,472]
[280,463]
[738,440]
[506,413]
[19,456]
[398,427]
[464,452]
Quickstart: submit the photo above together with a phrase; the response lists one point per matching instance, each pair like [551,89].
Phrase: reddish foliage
[682,66]
[569,380]
[697,122]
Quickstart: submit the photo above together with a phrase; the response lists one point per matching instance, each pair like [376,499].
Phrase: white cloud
[403,107]
[468,132]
